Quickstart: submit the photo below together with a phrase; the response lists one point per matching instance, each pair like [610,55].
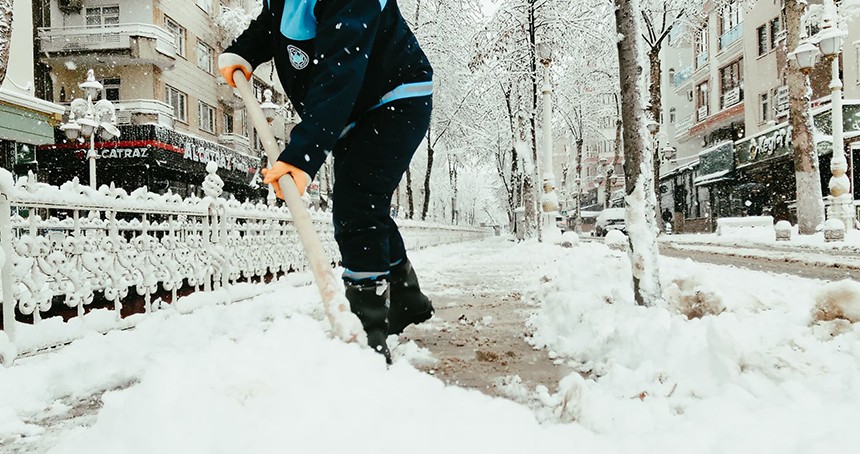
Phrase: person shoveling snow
[363,87]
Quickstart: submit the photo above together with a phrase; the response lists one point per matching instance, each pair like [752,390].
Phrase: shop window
[102,16]
[111,89]
[731,84]
[205,57]
[179,102]
[179,34]
[206,117]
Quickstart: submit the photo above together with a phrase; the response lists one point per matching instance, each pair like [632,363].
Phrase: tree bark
[5,36]
[810,205]
[656,110]
[409,198]
[532,213]
[640,200]
[426,207]
[577,222]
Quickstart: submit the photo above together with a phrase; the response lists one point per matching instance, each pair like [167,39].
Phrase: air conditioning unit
[71,6]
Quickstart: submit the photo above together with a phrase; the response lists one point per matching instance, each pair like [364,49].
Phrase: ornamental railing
[75,248]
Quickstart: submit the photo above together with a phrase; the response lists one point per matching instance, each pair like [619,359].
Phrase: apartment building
[157,60]
[25,120]
[726,116]
[598,156]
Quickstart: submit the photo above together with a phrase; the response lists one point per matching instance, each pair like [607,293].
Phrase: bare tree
[640,200]
[5,36]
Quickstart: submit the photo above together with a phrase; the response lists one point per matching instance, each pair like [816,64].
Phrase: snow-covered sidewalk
[263,376]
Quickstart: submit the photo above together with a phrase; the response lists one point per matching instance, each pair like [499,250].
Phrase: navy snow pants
[369,163]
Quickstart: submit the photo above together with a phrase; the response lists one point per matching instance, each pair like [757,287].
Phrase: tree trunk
[426,207]
[577,222]
[640,200]
[409,198]
[532,213]
[5,36]
[810,205]
[656,110]
[452,175]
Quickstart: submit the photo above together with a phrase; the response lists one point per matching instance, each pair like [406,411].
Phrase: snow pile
[568,239]
[755,378]
[838,301]
[686,296]
[616,240]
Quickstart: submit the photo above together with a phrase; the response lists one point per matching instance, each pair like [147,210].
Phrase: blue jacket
[337,60]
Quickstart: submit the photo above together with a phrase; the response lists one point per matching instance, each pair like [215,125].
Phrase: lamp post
[270,110]
[88,119]
[549,200]
[829,43]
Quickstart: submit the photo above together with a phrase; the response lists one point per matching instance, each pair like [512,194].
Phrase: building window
[205,57]
[672,116]
[701,47]
[731,24]
[103,16]
[205,5]
[775,31]
[179,34]
[702,94]
[731,84]
[764,107]
[179,102]
[761,34]
[111,89]
[228,123]
[243,117]
[206,117]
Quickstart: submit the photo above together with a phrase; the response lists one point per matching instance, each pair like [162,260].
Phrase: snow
[265,375]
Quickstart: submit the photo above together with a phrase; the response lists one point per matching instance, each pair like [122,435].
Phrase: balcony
[731,36]
[144,111]
[701,60]
[237,142]
[124,44]
[682,75]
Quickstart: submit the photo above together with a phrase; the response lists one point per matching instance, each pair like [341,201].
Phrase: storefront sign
[732,97]
[781,101]
[764,146]
[114,153]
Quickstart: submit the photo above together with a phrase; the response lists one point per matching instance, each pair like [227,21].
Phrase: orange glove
[228,64]
[271,176]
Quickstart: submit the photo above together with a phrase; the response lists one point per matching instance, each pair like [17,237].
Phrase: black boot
[369,301]
[408,304]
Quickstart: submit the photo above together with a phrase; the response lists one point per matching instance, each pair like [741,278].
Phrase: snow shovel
[344,323]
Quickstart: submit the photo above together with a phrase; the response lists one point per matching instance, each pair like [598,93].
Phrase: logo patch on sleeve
[298,58]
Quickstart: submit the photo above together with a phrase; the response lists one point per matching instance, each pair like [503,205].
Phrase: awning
[711,178]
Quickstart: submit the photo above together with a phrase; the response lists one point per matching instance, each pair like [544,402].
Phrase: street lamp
[88,119]
[829,40]
[270,109]
[549,201]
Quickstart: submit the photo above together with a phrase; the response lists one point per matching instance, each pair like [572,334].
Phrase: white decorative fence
[67,245]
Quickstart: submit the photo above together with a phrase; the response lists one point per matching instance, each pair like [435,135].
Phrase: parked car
[610,219]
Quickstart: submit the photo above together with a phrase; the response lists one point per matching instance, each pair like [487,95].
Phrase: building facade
[726,116]
[25,120]
[157,61]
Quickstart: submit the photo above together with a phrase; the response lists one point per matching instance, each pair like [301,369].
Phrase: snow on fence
[72,244]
